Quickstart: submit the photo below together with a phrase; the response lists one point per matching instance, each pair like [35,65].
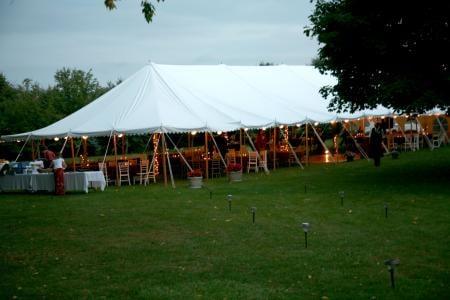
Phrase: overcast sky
[39,37]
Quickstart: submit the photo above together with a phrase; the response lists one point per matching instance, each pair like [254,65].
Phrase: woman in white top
[58,165]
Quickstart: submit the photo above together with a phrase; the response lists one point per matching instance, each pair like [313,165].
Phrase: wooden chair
[124,172]
[252,161]
[262,163]
[216,167]
[144,174]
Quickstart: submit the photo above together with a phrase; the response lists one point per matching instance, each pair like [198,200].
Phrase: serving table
[73,182]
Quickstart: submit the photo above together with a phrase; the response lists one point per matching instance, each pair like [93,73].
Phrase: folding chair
[252,161]
[124,172]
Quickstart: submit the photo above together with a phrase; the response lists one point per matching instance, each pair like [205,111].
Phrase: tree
[393,53]
[74,89]
[148,9]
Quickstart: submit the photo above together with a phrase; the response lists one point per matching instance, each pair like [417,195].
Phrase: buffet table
[73,182]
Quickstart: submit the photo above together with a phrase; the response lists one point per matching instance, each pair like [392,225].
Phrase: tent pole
[168,163]
[266,170]
[358,146]
[64,145]
[323,144]
[442,129]
[218,150]
[163,140]
[32,150]
[26,141]
[429,143]
[72,150]
[123,146]
[206,156]
[107,147]
[292,150]
[115,159]
[274,138]
[240,146]
[181,154]
[306,145]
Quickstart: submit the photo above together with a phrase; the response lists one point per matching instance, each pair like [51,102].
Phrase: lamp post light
[391,264]
[341,195]
[385,210]
[253,210]
[229,198]
[305,227]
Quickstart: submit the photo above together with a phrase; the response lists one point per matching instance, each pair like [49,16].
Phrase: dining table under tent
[165,99]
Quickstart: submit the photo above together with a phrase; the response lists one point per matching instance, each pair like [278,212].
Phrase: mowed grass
[163,243]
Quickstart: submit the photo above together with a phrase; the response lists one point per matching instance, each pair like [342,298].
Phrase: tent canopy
[179,98]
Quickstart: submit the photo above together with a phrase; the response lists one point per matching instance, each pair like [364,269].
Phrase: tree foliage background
[28,106]
[393,53]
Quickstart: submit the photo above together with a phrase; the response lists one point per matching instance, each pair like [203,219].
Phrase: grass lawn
[163,243]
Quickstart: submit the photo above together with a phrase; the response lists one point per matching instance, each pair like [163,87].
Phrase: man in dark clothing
[376,140]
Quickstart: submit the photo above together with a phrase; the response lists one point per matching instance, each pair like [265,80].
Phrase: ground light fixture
[229,199]
[341,195]
[305,227]
[253,210]
[385,210]
[391,264]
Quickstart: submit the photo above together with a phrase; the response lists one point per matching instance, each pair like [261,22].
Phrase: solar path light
[341,195]
[229,199]
[391,264]
[385,210]
[305,227]
[253,210]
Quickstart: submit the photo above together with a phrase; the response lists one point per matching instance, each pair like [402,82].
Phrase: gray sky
[39,37]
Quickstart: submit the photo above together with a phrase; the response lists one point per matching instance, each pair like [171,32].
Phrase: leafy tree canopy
[148,9]
[393,53]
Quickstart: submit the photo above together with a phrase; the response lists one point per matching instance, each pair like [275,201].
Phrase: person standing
[376,140]
[48,155]
[58,165]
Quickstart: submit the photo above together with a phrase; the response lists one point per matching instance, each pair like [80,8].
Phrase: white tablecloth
[73,181]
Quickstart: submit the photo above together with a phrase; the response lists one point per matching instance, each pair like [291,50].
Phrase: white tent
[175,98]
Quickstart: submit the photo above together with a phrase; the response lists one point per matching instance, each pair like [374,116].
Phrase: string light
[56,139]
[219,132]
[120,135]
[85,137]
[193,132]
[155,154]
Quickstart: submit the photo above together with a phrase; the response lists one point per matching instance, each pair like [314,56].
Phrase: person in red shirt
[48,155]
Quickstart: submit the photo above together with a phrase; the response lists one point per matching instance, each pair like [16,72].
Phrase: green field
[163,243]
